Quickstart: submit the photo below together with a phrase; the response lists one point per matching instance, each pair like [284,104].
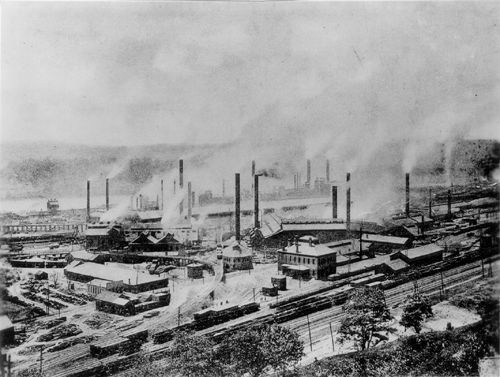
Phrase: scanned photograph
[249,188]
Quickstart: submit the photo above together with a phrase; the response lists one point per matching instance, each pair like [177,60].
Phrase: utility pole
[331,333]
[442,284]
[41,354]
[178,316]
[254,295]
[309,327]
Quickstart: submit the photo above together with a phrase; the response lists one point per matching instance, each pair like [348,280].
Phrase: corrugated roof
[270,225]
[377,238]
[111,273]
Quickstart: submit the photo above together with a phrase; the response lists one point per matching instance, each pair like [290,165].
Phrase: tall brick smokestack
[88,201]
[107,194]
[181,173]
[449,202]
[162,194]
[237,206]
[334,202]
[348,202]
[192,199]
[407,202]
[327,171]
[430,203]
[189,201]
[309,171]
[256,201]
[253,173]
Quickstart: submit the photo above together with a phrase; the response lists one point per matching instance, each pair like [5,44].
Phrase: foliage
[256,349]
[195,356]
[143,367]
[366,316]
[416,309]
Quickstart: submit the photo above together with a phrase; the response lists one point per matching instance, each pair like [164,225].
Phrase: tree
[415,310]
[55,277]
[259,348]
[195,356]
[366,316]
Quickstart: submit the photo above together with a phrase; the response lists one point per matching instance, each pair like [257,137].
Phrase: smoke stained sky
[336,78]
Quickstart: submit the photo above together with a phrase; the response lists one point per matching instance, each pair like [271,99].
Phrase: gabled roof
[144,239]
[270,225]
[168,238]
[397,265]
[115,298]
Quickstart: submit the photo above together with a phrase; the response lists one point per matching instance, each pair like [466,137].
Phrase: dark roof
[397,265]
[144,238]
[97,232]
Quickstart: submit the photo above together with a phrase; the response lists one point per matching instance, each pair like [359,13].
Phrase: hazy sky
[324,74]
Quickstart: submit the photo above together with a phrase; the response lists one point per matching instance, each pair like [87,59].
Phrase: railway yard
[72,319]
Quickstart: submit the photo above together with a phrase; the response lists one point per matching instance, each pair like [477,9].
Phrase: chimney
[328,170]
[294,181]
[253,168]
[140,201]
[309,171]
[348,202]
[334,202]
[189,201]
[256,201]
[430,203]
[296,245]
[175,183]
[289,242]
[407,207]
[136,202]
[181,173]
[162,195]
[237,205]
[449,202]
[107,194]
[88,201]
[422,225]
[310,242]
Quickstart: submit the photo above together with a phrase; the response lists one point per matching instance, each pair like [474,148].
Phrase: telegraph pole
[309,327]
[331,333]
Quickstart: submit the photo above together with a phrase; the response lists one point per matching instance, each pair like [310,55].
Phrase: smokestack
[253,168]
[348,202]
[162,195]
[237,205]
[430,203]
[189,201]
[175,183]
[223,188]
[181,173]
[192,199]
[88,201]
[107,194]
[407,195]
[449,202]
[295,181]
[309,171]
[136,202]
[140,201]
[256,201]
[334,202]
[328,170]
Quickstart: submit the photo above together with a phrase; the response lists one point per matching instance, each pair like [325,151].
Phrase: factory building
[85,256]
[376,243]
[133,280]
[277,231]
[104,237]
[307,258]
[96,286]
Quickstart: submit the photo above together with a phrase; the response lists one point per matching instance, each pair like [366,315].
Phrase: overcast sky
[325,73]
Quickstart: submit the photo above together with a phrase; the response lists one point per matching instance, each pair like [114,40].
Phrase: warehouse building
[420,255]
[96,286]
[133,280]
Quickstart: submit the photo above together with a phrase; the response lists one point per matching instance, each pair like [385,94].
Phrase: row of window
[304,260]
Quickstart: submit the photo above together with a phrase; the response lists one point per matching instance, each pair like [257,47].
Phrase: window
[294,259]
[308,261]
